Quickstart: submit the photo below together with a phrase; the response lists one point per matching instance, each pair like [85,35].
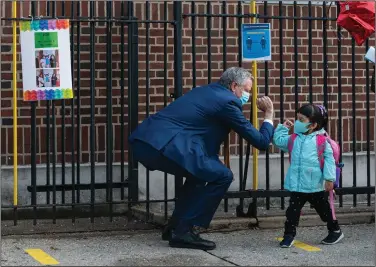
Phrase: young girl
[305,179]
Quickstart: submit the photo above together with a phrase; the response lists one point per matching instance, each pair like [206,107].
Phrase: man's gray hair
[234,74]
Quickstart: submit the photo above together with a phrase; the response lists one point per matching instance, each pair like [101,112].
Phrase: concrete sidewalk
[145,248]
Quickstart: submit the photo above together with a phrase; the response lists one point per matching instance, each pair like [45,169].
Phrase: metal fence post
[133,101]
[178,64]
[374,140]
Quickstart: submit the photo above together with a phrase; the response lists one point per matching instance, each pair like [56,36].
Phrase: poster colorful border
[46,62]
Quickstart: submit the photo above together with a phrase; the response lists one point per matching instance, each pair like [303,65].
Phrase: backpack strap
[290,144]
[331,202]
[321,143]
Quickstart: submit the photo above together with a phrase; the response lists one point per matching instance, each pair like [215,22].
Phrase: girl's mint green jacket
[304,174]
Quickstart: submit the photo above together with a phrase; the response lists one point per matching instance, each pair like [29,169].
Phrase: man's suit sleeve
[234,118]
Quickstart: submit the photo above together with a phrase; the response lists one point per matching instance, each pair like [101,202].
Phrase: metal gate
[87,139]
[130,59]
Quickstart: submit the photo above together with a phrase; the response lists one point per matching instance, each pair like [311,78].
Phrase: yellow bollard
[15,148]
[254,107]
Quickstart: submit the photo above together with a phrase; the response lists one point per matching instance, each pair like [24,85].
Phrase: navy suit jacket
[191,129]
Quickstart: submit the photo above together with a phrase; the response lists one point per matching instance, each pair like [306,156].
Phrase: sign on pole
[46,60]
[256,42]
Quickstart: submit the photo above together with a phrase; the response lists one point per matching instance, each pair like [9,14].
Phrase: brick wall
[155,68]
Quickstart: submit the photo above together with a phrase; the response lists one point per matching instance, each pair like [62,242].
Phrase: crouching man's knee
[228,178]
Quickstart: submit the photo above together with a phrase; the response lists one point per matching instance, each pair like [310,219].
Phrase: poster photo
[47,59]
[46,63]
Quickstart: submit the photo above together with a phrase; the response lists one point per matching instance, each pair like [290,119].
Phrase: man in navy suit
[184,139]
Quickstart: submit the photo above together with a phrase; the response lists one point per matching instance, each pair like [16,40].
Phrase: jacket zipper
[300,162]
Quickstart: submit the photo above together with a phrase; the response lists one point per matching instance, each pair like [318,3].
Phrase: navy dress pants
[198,198]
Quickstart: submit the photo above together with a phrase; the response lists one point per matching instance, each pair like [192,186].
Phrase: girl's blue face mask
[244,98]
[301,127]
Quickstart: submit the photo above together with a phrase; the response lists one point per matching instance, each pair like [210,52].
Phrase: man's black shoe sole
[191,246]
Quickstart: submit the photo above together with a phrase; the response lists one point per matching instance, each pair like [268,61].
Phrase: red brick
[156,60]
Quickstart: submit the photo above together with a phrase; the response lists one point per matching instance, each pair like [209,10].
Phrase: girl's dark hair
[316,114]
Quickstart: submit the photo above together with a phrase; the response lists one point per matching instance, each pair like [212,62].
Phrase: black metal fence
[284,16]
[134,67]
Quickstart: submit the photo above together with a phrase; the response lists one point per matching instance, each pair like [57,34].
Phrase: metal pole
[254,107]
[374,140]
[178,65]
[15,148]
[133,100]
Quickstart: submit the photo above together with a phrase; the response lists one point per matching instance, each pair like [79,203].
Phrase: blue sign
[256,42]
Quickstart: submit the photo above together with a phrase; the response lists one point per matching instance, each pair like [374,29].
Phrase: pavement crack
[222,258]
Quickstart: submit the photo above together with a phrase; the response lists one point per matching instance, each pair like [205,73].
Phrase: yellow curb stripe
[303,246]
[41,256]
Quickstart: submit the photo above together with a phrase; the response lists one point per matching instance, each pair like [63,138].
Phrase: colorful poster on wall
[46,60]
[256,42]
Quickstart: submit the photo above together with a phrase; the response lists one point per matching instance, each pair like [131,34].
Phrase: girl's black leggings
[318,200]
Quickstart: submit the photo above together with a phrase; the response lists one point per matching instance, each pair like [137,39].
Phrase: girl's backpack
[321,141]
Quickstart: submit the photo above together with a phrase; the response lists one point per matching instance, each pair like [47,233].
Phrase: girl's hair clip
[322,109]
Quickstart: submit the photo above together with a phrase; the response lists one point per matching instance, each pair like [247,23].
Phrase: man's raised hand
[265,104]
